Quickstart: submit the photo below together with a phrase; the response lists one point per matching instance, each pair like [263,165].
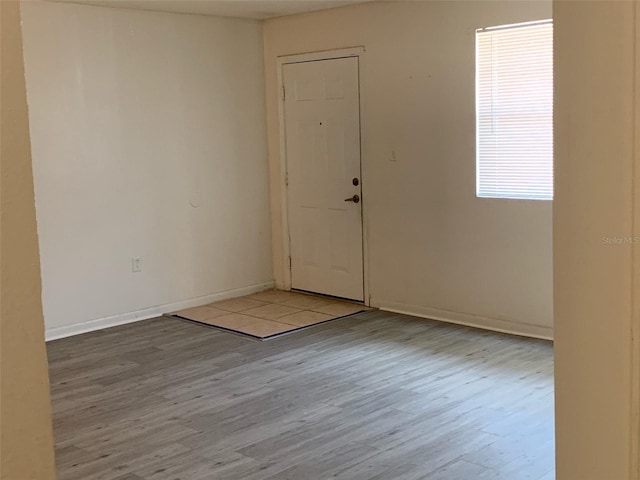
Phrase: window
[514,111]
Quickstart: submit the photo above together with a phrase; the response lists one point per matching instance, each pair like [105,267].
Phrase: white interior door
[322,129]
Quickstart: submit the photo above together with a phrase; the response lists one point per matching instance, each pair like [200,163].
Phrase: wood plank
[375,396]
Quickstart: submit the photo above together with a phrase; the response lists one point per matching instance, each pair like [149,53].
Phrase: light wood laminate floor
[376,396]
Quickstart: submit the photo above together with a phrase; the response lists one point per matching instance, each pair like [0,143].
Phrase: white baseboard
[486,323]
[144,314]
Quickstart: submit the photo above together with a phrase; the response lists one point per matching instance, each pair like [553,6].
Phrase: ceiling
[258,9]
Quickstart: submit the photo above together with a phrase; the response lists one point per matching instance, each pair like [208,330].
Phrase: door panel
[322,131]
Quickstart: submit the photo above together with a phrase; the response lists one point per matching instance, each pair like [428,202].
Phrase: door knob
[354,199]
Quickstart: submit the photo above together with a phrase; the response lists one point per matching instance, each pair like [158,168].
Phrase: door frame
[635,300]
[283,60]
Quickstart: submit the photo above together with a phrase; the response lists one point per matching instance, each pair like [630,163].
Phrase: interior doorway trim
[635,282]
[311,57]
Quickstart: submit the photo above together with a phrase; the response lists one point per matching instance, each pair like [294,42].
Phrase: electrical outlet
[136,264]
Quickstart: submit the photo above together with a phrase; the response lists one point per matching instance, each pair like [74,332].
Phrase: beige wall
[596,227]
[434,248]
[148,141]
[26,441]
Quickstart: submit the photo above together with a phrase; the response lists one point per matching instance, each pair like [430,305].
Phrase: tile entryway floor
[267,314]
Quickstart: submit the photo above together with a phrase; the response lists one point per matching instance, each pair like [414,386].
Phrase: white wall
[434,248]
[148,141]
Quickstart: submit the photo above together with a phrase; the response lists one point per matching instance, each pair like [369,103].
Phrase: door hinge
[286,179]
[289,262]
[284,95]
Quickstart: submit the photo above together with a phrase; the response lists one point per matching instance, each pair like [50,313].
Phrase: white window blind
[514,111]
